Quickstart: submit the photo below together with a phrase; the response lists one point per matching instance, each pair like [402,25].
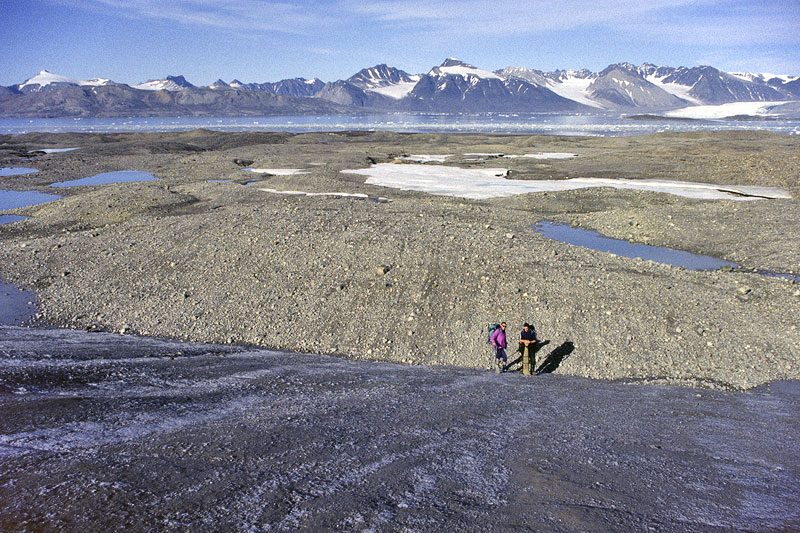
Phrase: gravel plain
[418,279]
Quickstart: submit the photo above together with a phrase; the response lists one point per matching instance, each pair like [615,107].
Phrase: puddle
[105,178]
[218,181]
[8,219]
[595,241]
[16,306]
[16,171]
[14,199]
[668,256]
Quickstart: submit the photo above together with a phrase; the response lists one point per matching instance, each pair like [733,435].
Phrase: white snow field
[398,90]
[546,155]
[55,150]
[425,158]
[576,89]
[380,199]
[724,110]
[44,78]
[478,184]
[278,171]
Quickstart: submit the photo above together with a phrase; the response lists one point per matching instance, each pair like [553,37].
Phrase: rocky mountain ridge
[452,87]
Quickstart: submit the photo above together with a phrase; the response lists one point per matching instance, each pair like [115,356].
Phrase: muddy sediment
[418,279]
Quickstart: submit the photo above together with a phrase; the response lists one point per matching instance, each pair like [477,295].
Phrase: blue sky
[131,41]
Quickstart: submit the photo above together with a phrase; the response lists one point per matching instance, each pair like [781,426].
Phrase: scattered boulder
[243,162]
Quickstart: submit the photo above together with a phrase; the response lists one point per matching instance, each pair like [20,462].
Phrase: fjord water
[602,124]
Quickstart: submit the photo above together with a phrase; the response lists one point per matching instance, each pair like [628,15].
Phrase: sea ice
[482,183]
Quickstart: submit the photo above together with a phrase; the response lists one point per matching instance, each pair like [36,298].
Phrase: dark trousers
[500,353]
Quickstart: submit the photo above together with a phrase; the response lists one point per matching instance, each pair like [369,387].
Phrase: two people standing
[527,346]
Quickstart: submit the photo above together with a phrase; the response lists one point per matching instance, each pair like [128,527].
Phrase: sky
[131,41]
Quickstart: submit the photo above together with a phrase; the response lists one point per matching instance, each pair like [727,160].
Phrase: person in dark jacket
[499,343]
[527,346]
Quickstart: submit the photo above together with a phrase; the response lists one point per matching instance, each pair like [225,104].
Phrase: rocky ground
[418,279]
[108,432]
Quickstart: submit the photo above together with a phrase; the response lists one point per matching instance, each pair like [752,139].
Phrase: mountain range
[452,87]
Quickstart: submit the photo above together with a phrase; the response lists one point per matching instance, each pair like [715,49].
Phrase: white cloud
[242,15]
[512,16]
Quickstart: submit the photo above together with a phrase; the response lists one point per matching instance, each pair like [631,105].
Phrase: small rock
[243,162]
[744,290]
[383,269]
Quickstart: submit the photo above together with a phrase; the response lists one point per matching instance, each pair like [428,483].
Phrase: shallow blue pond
[16,171]
[105,178]
[595,241]
[8,219]
[14,199]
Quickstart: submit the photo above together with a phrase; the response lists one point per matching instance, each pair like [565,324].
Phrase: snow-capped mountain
[570,84]
[455,86]
[452,87]
[170,83]
[623,86]
[385,80]
[45,78]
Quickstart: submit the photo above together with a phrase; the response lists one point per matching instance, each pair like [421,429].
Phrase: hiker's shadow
[555,358]
[518,361]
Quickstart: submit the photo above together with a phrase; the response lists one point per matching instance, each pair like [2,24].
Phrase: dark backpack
[492,329]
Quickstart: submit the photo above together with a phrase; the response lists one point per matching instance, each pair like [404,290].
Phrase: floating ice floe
[425,158]
[481,183]
[337,194]
[278,171]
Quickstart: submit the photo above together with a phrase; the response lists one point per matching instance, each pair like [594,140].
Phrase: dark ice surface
[14,306]
[105,178]
[104,432]
[595,241]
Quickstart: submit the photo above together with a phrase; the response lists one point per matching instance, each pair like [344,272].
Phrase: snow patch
[278,171]
[54,150]
[425,158]
[380,199]
[550,155]
[478,184]
[44,78]
[396,91]
[465,71]
[575,89]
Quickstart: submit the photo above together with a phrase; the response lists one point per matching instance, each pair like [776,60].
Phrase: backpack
[492,329]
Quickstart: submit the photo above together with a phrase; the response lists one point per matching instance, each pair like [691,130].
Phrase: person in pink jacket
[499,343]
